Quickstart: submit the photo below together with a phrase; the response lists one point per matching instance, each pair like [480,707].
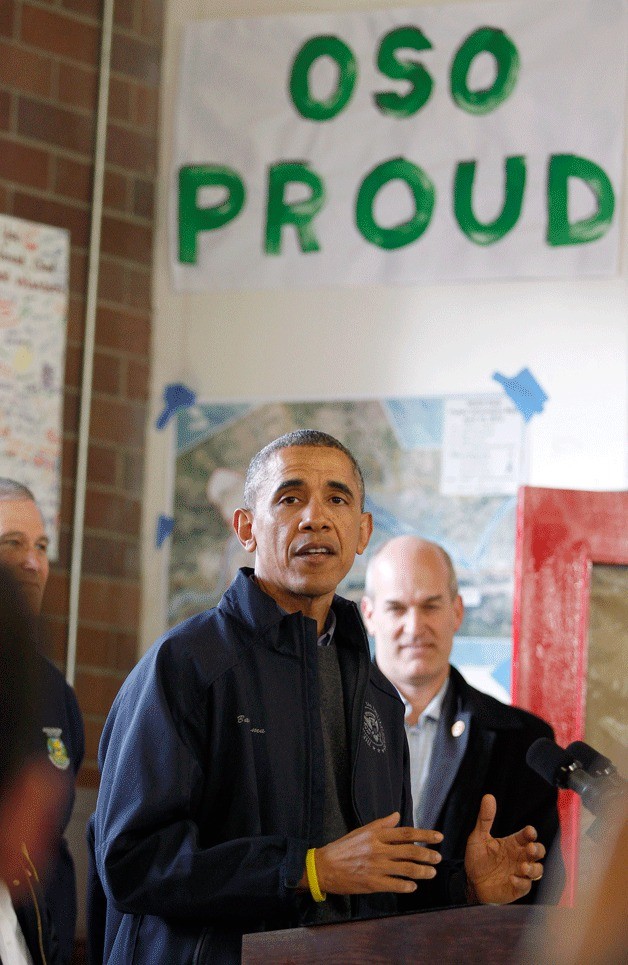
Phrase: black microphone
[591,760]
[561,768]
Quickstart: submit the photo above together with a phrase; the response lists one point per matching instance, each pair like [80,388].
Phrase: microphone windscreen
[548,760]
[592,761]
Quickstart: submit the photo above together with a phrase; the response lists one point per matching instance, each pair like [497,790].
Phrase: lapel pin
[457,728]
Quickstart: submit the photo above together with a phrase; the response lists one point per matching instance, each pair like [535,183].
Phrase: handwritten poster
[399,146]
[34,261]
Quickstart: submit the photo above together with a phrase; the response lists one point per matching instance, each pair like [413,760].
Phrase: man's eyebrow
[288,484]
[21,533]
[435,598]
[334,484]
[341,487]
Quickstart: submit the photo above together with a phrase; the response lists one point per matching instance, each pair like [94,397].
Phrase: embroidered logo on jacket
[57,752]
[373,730]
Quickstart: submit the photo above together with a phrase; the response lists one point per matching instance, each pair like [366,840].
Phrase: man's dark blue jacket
[213,780]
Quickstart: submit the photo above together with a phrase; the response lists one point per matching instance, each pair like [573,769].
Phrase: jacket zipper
[31,872]
[357,720]
[307,810]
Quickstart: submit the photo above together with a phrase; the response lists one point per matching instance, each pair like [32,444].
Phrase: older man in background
[463,743]
[56,721]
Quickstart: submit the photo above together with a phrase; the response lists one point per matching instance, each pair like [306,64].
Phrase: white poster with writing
[483,440]
[460,141]
[34,260]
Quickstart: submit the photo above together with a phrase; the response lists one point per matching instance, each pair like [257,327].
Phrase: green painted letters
[422,190]
[300,213]
[476,231]
[403,105]
[193,219]
[560,231]
[306,105]
[495,42]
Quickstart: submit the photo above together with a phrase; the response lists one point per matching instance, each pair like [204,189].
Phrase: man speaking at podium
[254,764]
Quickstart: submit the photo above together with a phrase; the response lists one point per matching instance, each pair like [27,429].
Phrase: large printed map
[399,445]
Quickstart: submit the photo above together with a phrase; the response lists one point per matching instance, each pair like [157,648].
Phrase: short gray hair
[11,489]
[300,437]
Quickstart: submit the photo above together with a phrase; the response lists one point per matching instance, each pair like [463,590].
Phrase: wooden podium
[479,935]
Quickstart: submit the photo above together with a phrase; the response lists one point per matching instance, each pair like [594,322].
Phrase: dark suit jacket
[487,758]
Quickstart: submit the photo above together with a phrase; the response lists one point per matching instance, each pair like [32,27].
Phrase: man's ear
[366,607]
[30,817]
[366,530]
[243,526]
[459,608]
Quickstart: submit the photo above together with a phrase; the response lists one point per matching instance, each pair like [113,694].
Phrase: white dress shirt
[13,950]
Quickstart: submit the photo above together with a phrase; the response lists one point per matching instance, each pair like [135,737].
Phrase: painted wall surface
[384,341]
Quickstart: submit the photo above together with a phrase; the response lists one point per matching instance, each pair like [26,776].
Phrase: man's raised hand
[500,870]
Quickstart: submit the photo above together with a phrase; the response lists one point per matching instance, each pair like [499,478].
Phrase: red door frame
[560,535]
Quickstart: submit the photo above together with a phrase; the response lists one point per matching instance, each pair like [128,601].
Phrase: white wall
[572,334]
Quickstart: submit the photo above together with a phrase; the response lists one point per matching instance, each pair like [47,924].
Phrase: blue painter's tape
[524,391]
[502,672]
[176,396]
[165,525]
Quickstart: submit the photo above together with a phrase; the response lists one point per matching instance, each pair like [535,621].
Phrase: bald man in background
[463,743]
[57,724]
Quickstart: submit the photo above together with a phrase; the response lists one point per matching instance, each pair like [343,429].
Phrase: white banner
[463,141]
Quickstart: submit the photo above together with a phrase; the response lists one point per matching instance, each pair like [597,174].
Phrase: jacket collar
[447,755]
[488,711]
[245,602]
[248,604]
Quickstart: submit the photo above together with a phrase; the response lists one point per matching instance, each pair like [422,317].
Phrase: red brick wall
[49,54]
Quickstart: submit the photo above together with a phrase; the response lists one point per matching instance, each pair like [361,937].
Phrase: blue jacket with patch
[213,780]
